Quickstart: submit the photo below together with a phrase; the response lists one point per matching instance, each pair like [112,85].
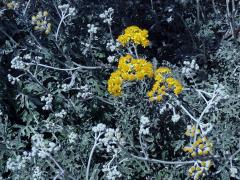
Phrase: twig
[135,50]
[143,150]
[142,145]
[56,163]
[9,37]
[37,81]
[58,12]
[157,161]
[198,11]
[25,10]
[200,93]
[59,25]
[68,69]
[91,153]
[209,104]
[161,161]
[188,113]
[232,156]
[188,30]
[152,4]
[214,7]
[230,17]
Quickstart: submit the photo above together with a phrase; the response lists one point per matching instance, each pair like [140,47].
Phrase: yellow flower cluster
[115,83]
[162,71]
[12,5]
[134,35]
[157,92]
[201,147]
[41,23]
[163,83]
[199,169]
[134,69]
[191,131]
[175,85]
[129,69]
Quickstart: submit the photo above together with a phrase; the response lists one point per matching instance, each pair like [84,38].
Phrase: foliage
[108,90]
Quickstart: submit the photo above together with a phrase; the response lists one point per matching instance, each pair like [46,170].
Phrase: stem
[187,28]
[157,161]
[162,162]
[233,6]
[129,50]
[235,70]
[105,101]
[37,42]
[135,50]
[143,150]
[57,164]
[142,146]
[58,12]
[214,7]
[110,162]
[110,31]
[8,36]
[230,18]
[25,10]
[63,16]
[59,25]
[209,104]
[206,93]
[198,11]
[232,156]
[188,113]
[152,4]
[38,82]
[63,173]
[91,154]
[200,93]
[69,69]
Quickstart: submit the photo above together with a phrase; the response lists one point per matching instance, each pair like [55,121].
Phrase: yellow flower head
[134,35]
[124,63]
[12,5]
[115,83]
[129,69]
[45,13]
[191,131]
[41,23]
[175,84]
[163,84]
[162,71]
[188,149]
[134,69]
[157,92]
[199,169]
[201,147]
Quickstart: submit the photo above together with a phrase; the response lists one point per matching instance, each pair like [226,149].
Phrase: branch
[157,161]
[91,153]
[68,69]
[188,113]
[162,161]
